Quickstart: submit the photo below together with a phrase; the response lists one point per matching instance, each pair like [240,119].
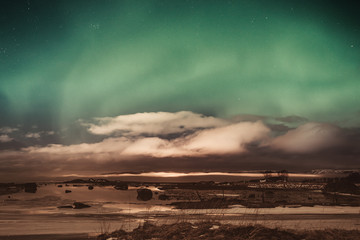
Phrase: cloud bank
[195,135]
[182,140]
[228,139]
[153,123]
[309,137]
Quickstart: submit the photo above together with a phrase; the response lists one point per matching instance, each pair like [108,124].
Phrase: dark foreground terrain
[82,209]
[210,231]
[49,237]
[202,230]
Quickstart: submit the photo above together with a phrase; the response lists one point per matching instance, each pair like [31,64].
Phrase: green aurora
[97,86]
[63,61]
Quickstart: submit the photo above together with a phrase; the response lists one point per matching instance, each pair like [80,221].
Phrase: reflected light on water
[193,174]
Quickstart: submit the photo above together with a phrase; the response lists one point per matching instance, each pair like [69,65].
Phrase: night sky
[99,86]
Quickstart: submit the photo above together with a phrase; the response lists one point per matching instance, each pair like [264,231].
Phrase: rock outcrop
[30,187]
[80,205]
[144,194]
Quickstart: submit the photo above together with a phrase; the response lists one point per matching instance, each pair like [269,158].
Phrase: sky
[110,86]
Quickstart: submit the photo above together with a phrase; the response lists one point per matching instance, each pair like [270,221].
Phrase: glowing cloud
[153,123]
[217,140]
[309,137]
[228,139]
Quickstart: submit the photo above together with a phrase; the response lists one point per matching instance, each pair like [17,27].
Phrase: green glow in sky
[105,58]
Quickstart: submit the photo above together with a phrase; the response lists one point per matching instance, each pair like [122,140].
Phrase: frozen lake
[111,209]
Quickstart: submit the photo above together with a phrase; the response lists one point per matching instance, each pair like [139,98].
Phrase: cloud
[141,141]
[156,147]
[7,130]
[193,135]
[216,141]
[153,123]
[109,145]
[307,138]
[5,138]
[228,139]
[219,144]
[32,135]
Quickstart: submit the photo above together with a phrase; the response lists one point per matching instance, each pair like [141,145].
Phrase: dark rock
[77,181]
[30,187]
[90,187]
[164,197]
[80,205]
[67,191]
[121,186]
[59,185]
[353,177]
[144,194]
[342,186]
[67,206]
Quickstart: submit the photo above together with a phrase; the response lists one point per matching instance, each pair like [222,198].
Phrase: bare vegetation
[212,231]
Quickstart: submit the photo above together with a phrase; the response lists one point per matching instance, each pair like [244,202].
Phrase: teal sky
[64,61]
[96,86]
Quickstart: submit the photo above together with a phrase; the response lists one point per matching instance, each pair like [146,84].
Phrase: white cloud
[221,140]
[142,136]
[309,137]
[228,139]
[109,145]
[5,138]
[32,135]
[153,123]
[155,147]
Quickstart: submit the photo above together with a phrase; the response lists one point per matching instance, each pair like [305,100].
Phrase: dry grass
[195,206]
[212,231]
